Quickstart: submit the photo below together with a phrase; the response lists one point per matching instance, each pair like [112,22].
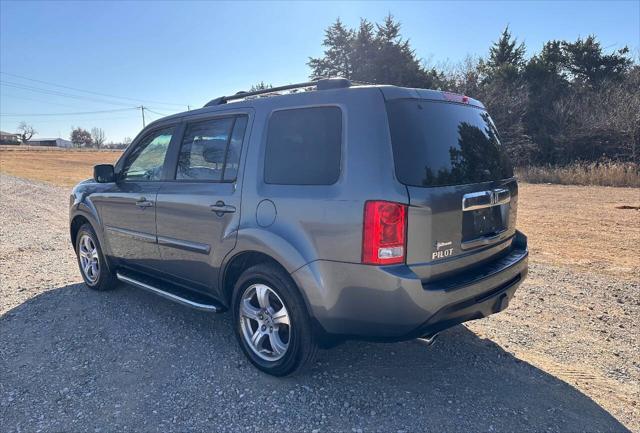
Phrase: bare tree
[98,136]
[26,131]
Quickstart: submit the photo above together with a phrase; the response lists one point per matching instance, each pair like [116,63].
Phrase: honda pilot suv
[315,213]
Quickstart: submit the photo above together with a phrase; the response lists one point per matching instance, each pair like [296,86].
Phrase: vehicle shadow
[73,359]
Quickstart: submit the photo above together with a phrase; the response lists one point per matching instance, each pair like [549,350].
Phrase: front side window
[303,146]
[145,162]
[210,150]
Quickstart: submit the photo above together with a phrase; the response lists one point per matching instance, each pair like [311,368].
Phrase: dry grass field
[59,167]
[595,173]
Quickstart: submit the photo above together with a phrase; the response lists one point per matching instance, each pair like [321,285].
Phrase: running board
[173,295]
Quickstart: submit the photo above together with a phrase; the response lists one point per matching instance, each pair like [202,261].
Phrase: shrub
[608,173]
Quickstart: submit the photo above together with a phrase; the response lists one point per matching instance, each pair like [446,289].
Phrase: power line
[79,113]
[91,92]
[84,120]
[58,93]
[155,112]
[26,98]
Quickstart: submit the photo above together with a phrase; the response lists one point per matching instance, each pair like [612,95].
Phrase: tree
[337,60]
[97,134]
[81,137]
[364,53]
[26,132]
[587,64]
[372,54]
[506,58]
[126,141]
[260,86]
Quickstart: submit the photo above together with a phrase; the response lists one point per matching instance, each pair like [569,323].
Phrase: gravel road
[75,360]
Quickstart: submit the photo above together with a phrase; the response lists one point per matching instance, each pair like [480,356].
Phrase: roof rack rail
[321,84]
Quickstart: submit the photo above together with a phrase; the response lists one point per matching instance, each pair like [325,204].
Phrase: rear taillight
[384,234]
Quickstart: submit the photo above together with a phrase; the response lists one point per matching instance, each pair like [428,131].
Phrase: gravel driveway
[75,360]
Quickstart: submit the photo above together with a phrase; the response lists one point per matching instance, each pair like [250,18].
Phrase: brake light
[454,97]
[384,233]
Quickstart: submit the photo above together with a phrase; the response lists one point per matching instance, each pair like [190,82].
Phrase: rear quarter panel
[322,221]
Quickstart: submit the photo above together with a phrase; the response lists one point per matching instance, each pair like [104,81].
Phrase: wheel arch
[83,211]
[240,262]
[77,222]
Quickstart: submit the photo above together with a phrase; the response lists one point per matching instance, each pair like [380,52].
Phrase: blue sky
[161,53]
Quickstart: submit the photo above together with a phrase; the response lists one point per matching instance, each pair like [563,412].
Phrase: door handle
[143,202]
[221,208]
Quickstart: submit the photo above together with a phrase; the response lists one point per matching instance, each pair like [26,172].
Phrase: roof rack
[321,84]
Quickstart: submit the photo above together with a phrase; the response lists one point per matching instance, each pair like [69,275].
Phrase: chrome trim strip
[195,247]
[484,199]
[167,295]
[132,234]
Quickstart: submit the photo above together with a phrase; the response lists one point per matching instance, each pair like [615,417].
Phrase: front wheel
[271,322]
[91,261]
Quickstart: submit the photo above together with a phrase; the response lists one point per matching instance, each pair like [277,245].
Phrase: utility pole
[142,110]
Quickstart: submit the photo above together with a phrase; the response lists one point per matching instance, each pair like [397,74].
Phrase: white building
[53,142]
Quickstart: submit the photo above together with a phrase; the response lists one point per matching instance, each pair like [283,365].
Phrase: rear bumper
[391,303]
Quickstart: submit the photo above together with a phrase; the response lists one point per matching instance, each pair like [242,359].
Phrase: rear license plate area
[483,222]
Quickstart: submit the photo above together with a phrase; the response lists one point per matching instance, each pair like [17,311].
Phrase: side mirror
[104,173]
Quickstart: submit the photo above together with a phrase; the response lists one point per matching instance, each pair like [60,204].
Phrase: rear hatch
[462,194]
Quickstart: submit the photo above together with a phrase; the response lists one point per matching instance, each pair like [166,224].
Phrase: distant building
[9,138]
[53,142]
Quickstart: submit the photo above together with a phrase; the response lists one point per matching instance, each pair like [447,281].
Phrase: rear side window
[439,143]
[234,149]
[210,150]
[303,146]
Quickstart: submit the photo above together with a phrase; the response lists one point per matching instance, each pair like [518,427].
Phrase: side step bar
[175,297]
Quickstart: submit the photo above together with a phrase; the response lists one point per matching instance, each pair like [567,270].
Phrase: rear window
[303,146]
[438,143]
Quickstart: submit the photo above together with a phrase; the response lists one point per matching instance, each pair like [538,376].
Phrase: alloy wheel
[89,261]
[265,323]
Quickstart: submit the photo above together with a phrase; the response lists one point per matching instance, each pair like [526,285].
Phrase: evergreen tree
[587,64]
[381,56]
[506,58]
[364,51]
[337,60]
[260,86]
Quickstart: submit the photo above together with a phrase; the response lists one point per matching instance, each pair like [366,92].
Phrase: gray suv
[315,212]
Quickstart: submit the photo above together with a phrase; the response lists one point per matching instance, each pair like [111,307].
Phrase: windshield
[440,143]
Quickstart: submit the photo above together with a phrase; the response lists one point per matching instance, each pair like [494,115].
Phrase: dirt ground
[565,355]
[583,227]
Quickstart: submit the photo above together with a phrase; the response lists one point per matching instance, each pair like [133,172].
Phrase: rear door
[198,209]
[462,193]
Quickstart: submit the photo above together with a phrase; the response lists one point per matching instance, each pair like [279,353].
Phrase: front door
[128,210]
[198,213]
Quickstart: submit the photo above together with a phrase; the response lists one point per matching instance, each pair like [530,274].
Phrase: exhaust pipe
[429,339]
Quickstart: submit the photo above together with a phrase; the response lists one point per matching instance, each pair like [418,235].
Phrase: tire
[97,276]
[281,291]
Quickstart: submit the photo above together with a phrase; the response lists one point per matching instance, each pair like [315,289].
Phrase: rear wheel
[271,321]
[91,261]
